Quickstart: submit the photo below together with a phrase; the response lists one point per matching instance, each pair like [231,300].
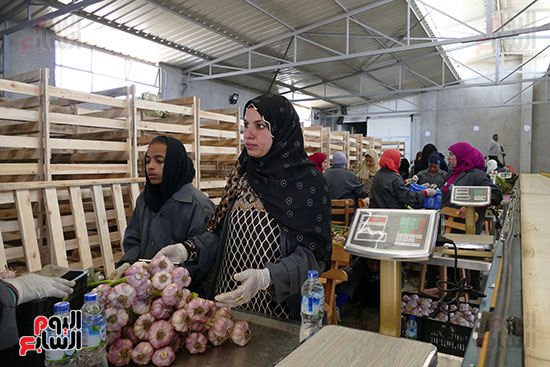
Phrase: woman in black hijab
[272,224]
[423,164]
[404,168]
[169,210]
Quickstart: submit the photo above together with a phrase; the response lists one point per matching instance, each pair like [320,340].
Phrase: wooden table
[341,346]
[535,256]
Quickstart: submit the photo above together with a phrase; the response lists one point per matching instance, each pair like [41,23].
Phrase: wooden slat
[85,97]
[134,193]
[67,183]
[103,229]
[76,169]
[19,169]
[56,241]
[535,256]
[84,120]
[28,233]
[162,127]
[7,141]
[77,144]
[26,77]
[218,133]
[80,227]
[157,106]
[18,87]
[119,210]
[217,116]
[18,114]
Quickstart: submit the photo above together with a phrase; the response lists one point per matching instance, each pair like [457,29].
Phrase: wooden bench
[80,216]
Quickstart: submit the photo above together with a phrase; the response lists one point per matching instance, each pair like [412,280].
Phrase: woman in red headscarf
[468,167]
[320,160]
[388,190]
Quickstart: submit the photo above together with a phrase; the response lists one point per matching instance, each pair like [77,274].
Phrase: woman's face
[154,162]
[369,161]
[452,159]
[257,137]
[324,166]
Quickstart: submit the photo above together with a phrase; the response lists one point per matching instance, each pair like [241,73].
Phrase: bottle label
[59,355]
[411,332]
[94,336]
[312,306]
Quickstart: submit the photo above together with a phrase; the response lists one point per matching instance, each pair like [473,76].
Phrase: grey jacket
[438,179]
[388,191]
[474,177]
[182,216]
[287,276]
[8,325]
[344,184]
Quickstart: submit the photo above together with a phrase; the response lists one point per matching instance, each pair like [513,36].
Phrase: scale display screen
[505,175]
[392,233]
[471,195]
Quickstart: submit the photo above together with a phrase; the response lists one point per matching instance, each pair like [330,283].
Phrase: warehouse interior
[411,71]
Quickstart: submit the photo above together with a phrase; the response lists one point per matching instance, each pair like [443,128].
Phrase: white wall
[540,150]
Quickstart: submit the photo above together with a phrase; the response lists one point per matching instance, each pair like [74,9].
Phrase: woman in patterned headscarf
[369,168]
[272,224]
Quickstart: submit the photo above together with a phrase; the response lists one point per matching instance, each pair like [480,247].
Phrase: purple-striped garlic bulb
[161,263]
[161,280]
[120,352]
[160,310]
[180,320]
[172,294]
[122,296]
[102,291]
[181,276]
[196,343]
[163,357]
[142,325]
[128,333]
[141,307]
[145,290]
[241,333]
[223,327]
[216,339]
[137,274]
[160,334]
[223,312]
[197,308]
[115,318]
[176,343]
[113,336]
[142,353]
[186,297]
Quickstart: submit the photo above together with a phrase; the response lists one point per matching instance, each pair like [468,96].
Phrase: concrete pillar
[526,122]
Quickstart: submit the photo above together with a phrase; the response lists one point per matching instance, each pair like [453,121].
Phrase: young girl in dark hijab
[272,224]
[170,209]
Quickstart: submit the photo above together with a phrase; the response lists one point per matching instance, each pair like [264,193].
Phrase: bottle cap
[313,274]
[61,307]
[412,317]
[92,296]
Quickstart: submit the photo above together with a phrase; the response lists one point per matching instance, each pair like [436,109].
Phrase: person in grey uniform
[169,210]
[272,224]
[433,175]
[342,182]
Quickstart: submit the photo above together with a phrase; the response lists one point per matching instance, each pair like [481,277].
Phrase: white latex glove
[34,286]
[426,184]
[177,253]
[430,192]
[253,280]
[119,272]
[413,179]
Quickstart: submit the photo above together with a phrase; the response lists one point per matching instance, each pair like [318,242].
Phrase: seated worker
[467,169]
[388,192]
[403,168]
[169,210]
[433,175]
[320,160]
[23,289]
[272,224]
[342,182]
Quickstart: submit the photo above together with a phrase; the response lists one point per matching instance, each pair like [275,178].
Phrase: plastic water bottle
[60,358]
[94,333]
[313,305]
[412,329]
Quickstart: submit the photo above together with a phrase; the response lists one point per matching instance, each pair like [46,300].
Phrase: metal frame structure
[276,63]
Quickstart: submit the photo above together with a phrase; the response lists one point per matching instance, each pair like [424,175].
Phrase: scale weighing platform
[392,235]
[470,197]
[396,234]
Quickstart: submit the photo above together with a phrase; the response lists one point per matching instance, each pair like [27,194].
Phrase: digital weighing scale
[470,197]
[392,235]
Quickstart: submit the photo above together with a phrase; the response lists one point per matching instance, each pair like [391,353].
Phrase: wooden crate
[313,139]
[219,147]
[338,141]
[355,150]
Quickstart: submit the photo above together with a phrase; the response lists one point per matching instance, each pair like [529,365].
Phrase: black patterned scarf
[287,182]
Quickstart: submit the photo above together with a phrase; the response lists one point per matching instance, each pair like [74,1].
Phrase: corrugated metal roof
[186,33]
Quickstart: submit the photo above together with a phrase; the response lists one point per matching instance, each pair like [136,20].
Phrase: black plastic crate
[27,312]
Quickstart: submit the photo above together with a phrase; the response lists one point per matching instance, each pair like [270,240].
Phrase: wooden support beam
[80,227]
[28,233]
[56,241]
[103,229]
